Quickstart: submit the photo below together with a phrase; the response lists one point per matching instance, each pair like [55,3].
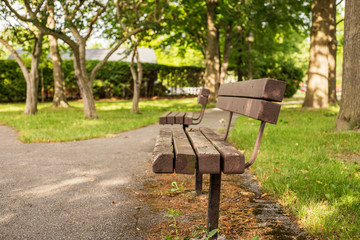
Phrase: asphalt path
[80,189]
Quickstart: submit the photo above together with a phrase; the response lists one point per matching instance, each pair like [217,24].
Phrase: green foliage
[176,188]
[310,168]
[208,235]
[12,82]
[112,80]
[180,76]
[173,214]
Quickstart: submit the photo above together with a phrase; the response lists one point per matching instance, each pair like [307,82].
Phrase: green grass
[310,168]
[54,125]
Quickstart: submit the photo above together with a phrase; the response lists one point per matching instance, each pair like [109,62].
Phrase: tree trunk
[32,82]
[42,86]
[137,77]
[349,115]
[59,99]
[332,52]
[212,75]
[84,83]
[317,84]
[227,47]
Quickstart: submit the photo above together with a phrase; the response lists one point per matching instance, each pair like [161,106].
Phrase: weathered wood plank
[254,108]
[232,160]
[180,118]
[208,157]
[185,158]
[202,100]
[266,88]
[162,118]
[205,92]
[188,119]
[163,154]
[170,119]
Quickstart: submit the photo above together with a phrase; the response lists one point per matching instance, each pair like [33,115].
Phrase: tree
[135,19]
[212,70]
[80,21]
[349,115]
[317,83]
[332,52]
[32,76]
[274,22]
[59,99]
[137,75]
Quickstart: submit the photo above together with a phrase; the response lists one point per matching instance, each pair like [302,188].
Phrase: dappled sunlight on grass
[312,169]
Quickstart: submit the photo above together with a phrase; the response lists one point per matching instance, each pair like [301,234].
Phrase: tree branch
[99,12]
[71,17]
[17,58]
[339,2]
[340,21]
[119,14]
[22,18]
[121,41]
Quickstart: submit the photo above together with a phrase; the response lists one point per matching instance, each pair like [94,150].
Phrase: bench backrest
[203,96]
[253,98]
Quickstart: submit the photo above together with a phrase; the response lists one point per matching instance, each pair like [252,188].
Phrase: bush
[112,80]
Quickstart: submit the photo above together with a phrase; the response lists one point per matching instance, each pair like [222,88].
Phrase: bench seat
[195,150]
[186,118]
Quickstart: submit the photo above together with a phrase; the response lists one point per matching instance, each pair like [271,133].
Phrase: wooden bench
[202,151]
[187,118]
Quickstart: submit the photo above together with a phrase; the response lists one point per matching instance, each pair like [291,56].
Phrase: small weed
[173,214]
[208,235]
[176,188]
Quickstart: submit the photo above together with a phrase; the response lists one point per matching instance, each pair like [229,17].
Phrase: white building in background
[147,55]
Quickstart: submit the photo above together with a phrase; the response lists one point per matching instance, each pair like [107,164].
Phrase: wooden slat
[232,160]
[254,108]
[180,118]
[188,118]
[202,100]
[163,154]
[204,92]
[266,88]
[208,157]
[162,119]
[170,119]
[185,158]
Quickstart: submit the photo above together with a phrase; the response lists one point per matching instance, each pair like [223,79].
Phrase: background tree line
[219,30]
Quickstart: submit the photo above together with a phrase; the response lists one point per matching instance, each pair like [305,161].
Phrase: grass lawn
[56,125]
[310,168]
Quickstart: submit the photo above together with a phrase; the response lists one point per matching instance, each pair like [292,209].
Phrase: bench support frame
[214,203]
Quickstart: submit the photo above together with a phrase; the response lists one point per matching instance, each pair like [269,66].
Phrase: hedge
[112,80]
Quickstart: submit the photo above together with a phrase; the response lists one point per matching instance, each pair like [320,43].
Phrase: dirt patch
[245,210]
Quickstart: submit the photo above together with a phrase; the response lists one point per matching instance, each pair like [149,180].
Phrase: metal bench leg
[214,203]
[198,182]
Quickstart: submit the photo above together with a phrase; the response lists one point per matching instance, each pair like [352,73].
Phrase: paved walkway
[78,190]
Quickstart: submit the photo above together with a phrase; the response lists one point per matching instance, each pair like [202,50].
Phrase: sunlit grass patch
[312,169]
[51,124]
